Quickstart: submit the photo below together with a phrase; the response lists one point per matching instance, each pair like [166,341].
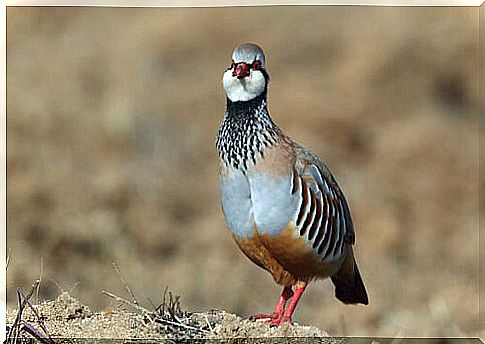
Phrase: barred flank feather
[323,216]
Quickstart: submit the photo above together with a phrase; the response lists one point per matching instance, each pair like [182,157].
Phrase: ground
[66,317]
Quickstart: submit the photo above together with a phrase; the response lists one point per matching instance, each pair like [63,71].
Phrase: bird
[280,201]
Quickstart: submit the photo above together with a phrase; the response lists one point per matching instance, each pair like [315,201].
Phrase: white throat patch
[243,89]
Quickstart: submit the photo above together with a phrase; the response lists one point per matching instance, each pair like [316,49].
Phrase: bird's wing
[324,216]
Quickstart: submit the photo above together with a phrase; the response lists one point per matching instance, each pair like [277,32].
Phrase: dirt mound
[66,317]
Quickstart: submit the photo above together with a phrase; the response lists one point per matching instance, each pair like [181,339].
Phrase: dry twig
[40,279]
[125,284]
[15,329]
[172,309]
[19,324]
[180,324]
[167,313]
[120,299]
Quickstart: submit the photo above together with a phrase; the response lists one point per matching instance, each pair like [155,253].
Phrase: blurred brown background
[112,115]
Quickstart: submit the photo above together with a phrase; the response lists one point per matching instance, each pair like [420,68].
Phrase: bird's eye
[256,65]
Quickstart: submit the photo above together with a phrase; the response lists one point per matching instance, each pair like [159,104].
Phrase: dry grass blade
[208,322]
[125,284]
[170,306]
[161,307]
[40,279]
[144,312]
[129,303]
[168,312]
[180,324]
[151,303]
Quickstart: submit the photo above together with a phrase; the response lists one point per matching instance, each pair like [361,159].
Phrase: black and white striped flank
[323,216]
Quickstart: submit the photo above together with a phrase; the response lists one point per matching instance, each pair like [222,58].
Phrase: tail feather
[350,289]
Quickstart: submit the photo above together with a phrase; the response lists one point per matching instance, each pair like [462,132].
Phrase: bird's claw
[274,319]
[282,319]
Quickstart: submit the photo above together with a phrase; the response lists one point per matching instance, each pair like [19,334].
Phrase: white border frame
[140,3]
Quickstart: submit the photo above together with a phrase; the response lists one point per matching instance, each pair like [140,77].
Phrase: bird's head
[246,78]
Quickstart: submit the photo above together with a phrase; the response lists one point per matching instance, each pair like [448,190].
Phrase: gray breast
[257,199]
[274,205]
[236,203]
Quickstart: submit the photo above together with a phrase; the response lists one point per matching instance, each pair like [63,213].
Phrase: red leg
[286,294]
[299,289]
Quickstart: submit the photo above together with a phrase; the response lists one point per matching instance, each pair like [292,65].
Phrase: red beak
[241,70]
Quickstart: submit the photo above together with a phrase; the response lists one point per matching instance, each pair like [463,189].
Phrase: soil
[66,317]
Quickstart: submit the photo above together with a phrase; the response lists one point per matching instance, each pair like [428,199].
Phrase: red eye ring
[256,65]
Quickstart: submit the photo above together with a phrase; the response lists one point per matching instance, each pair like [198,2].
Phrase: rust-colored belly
[286,256]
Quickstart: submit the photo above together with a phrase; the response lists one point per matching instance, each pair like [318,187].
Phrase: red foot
[286,316]
[276,321]
[282,315]
[284,319]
